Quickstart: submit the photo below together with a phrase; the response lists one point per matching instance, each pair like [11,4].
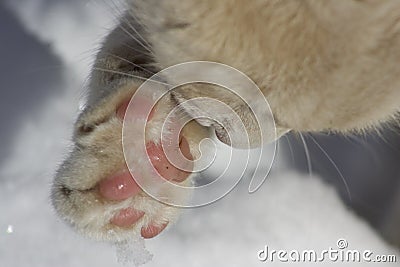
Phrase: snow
[133,252]
[290,211]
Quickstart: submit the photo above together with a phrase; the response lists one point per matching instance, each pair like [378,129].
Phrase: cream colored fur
[322,65]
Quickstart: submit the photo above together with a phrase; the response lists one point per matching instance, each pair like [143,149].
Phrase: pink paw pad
[121,186]
[127,217]
[139,113]
[164,167]
[152,230]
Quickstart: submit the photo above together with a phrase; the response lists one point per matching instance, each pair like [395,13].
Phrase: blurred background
[370,166]
[323,187]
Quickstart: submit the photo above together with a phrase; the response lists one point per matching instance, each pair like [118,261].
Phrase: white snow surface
[290,211]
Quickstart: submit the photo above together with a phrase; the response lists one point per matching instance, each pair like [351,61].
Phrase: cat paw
[95,191]
[139,210]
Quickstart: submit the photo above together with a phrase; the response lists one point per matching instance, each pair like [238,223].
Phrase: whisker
[307,152]
[290,148]
[115,12]
[359,141]
[335,166]
[129,24]
[114,6]
[354,139]
[120,15]
[132,63]
[387,142]
[134,38]
[130,75]
[134,29]
[137,50]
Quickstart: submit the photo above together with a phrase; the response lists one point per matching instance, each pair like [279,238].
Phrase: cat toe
[152,230]
[119,186]
[127,217]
